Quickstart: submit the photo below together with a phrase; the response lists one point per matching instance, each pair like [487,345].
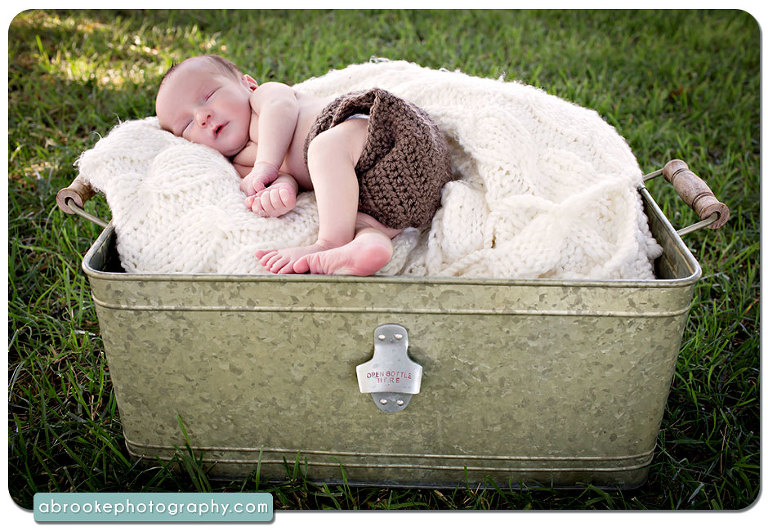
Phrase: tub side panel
[513,397]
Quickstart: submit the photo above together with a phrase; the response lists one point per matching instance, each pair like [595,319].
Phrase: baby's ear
[248,82]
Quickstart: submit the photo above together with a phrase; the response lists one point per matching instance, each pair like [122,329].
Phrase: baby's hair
[224,65]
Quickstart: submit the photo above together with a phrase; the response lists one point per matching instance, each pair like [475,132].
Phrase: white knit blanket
[546,189]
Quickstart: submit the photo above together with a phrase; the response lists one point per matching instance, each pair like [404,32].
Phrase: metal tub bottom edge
[411,470]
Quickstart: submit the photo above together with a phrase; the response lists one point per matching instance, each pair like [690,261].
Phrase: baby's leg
[331,158]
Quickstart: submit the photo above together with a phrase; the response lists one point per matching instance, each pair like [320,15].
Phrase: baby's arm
[243,161]
[277,199]
[277,109]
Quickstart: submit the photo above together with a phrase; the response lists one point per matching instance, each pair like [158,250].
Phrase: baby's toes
[286,269]
[302,264]
[275,263]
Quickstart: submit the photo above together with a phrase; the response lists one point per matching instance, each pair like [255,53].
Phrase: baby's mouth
[218,129]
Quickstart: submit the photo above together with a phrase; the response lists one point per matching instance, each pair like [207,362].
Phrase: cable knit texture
[405,161]
[546,189]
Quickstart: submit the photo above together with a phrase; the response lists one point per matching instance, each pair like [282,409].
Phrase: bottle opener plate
[391,377]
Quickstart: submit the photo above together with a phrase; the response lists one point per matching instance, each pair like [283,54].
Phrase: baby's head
[206,100]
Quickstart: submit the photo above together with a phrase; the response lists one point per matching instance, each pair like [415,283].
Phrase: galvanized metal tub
[524,381]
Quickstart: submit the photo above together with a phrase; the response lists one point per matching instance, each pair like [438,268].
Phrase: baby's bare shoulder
[272,91]
[274,86]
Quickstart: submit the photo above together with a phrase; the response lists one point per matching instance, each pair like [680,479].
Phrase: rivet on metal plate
[391,377]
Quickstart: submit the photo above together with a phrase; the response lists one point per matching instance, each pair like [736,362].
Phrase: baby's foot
[363,256]
[283,260]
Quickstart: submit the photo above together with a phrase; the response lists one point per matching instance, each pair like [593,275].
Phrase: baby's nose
[203,117]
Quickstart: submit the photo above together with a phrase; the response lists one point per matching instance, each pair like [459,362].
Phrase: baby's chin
[228,151]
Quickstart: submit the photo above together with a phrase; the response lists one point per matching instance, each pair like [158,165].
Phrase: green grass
[674,83]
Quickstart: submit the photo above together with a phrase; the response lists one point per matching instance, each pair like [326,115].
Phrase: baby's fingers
[252,203]
[277,202]
[271,202]
[263,205]
[268,203]
[287,199]
[251,185]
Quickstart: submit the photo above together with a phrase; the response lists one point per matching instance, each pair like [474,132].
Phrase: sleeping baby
[375,162]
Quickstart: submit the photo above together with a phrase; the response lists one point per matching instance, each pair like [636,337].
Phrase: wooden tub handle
[695,192]
[78,191]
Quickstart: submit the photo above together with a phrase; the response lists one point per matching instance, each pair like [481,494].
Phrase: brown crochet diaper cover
[405,160]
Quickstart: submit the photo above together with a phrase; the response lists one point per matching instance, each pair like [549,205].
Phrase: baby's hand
[262,174]
[273,201]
